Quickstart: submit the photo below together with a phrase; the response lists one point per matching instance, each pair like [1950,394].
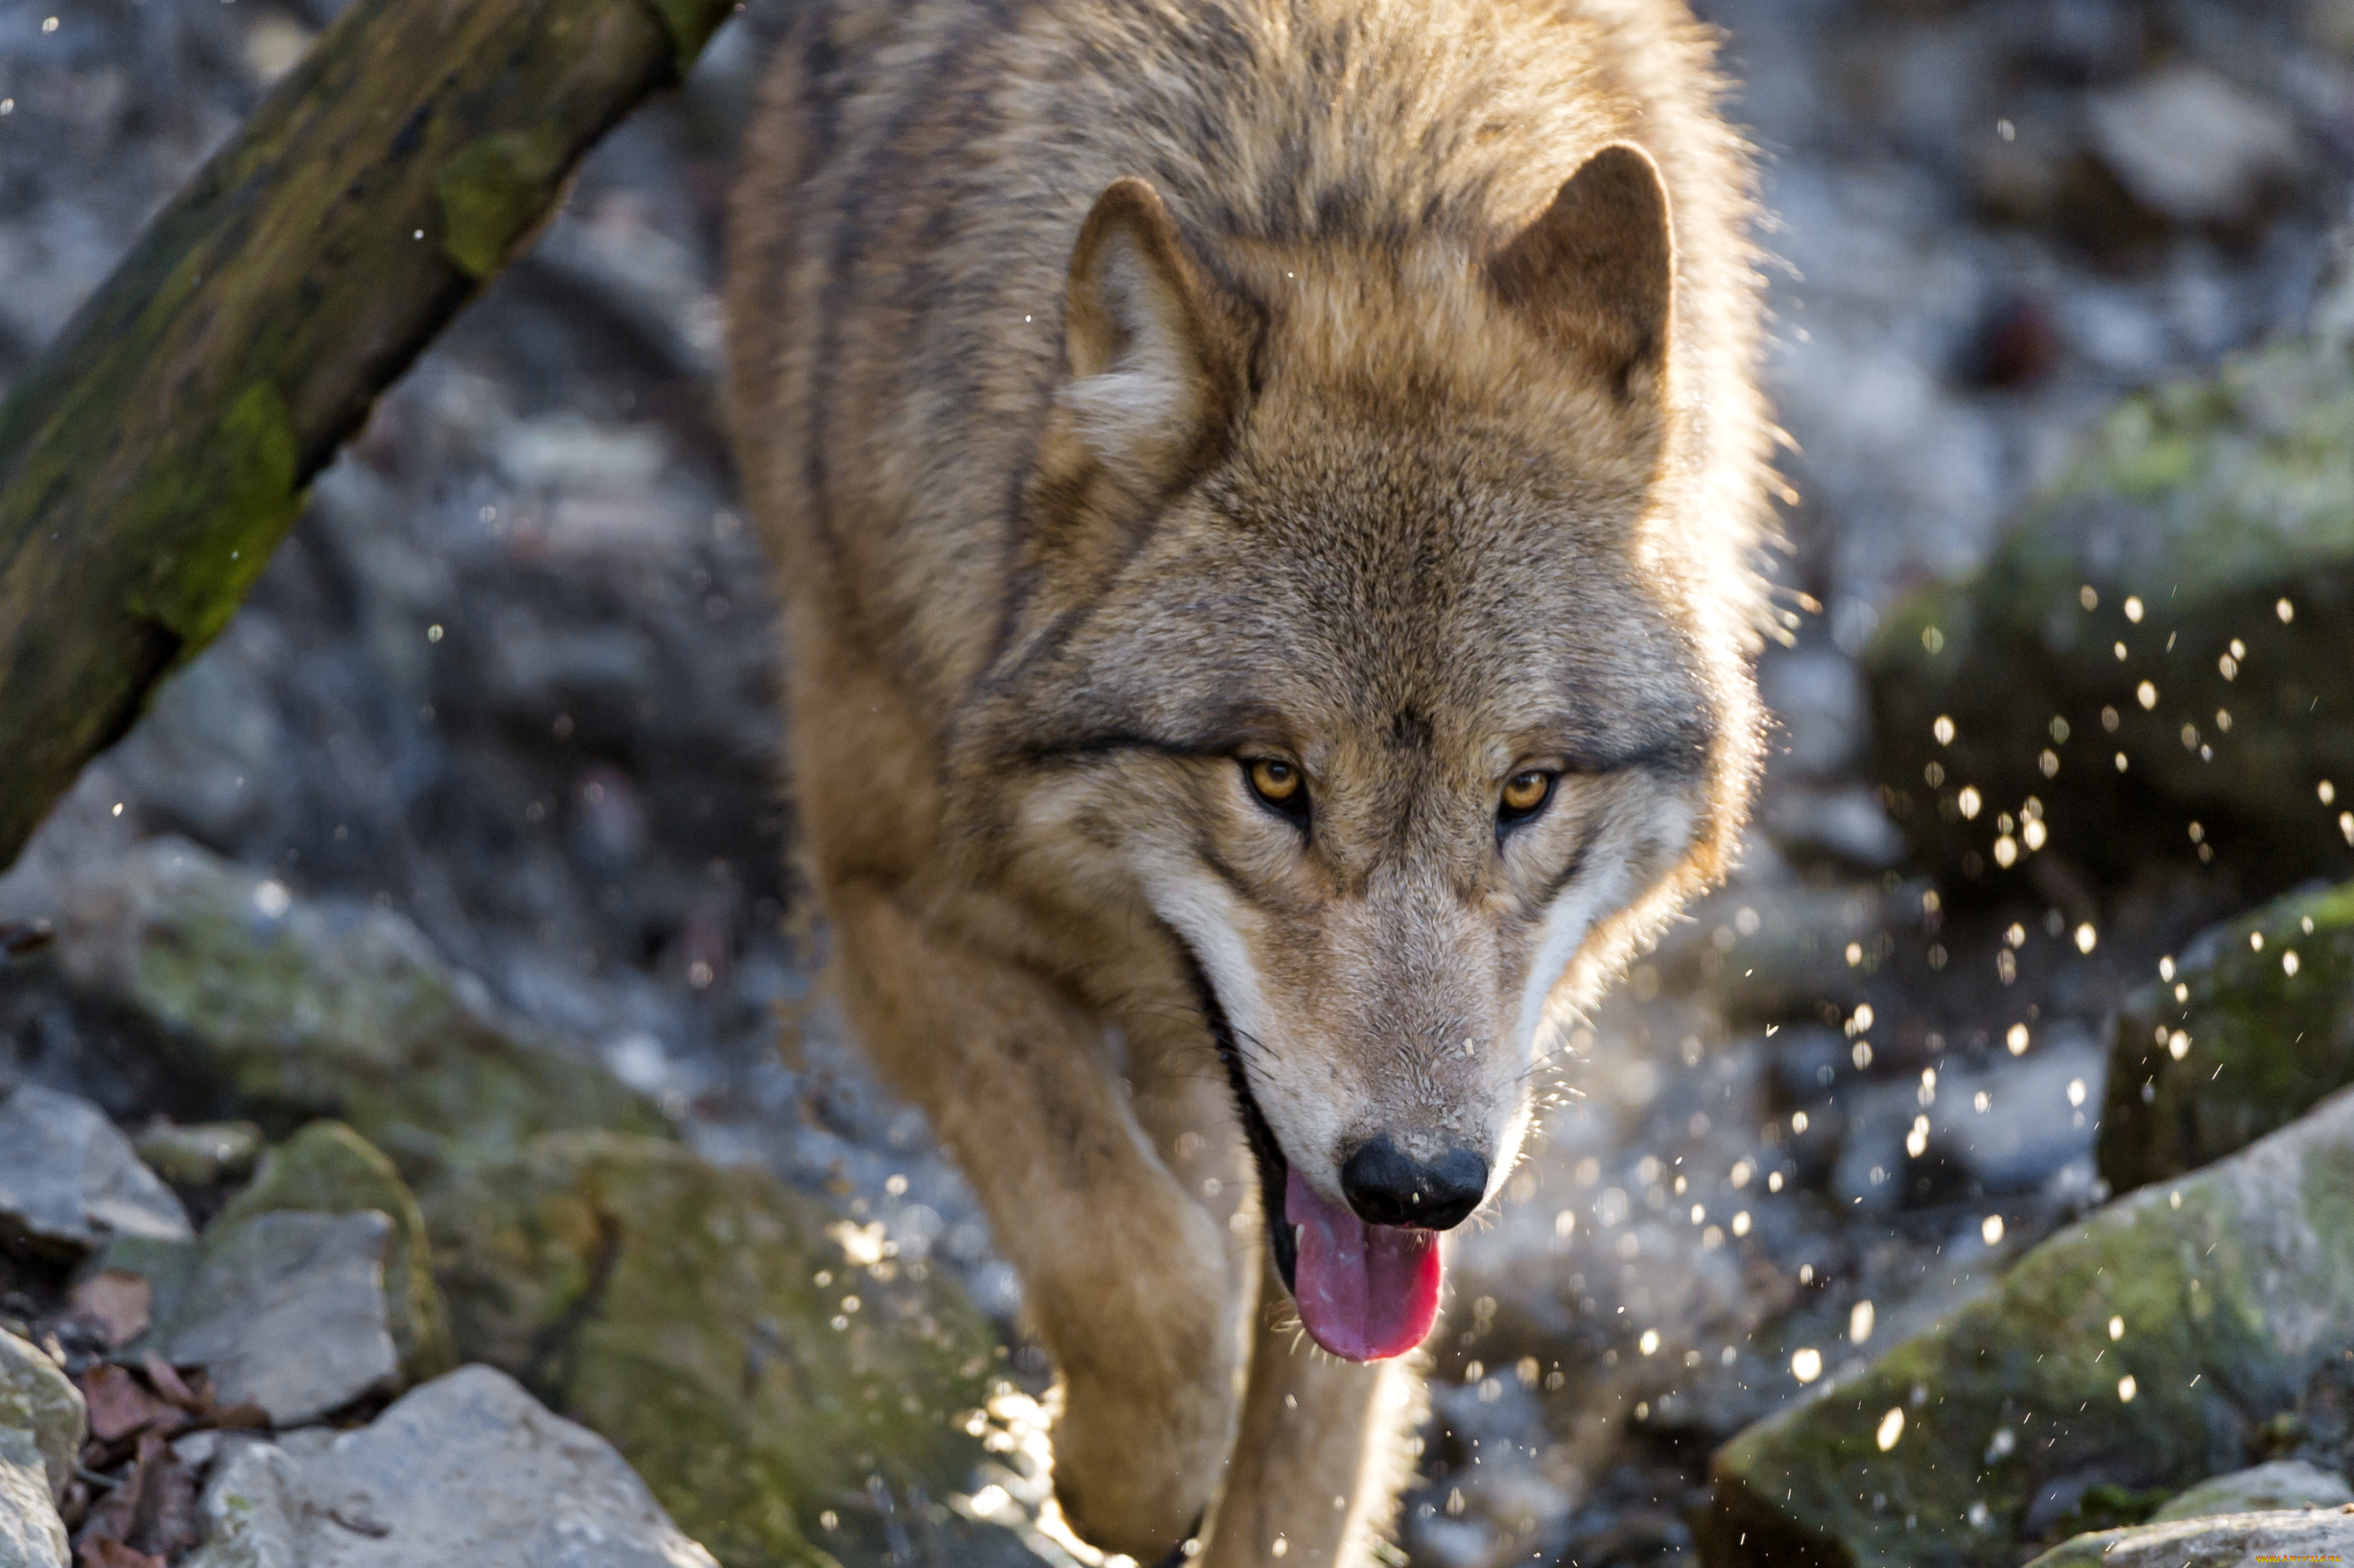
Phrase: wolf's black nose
[1386,1188]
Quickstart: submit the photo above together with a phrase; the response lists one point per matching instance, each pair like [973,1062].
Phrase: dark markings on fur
[1218,868]
[1409,730]
[1274,1169]
[1572,868]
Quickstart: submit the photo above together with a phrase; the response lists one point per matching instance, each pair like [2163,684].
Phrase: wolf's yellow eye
[1276,783]
[1524,792]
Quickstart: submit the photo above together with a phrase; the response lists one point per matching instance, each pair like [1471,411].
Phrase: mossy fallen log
[158,451]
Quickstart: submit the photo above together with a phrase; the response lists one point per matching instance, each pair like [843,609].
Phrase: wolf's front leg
[1125,1278]
[1321,1454]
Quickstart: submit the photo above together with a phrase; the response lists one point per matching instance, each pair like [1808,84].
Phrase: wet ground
[513,675]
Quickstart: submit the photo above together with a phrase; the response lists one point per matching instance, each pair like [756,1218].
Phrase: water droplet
[1806,1364]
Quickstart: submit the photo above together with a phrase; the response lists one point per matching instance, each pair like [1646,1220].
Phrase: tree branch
[159,451]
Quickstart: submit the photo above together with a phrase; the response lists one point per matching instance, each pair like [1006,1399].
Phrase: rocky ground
[428,957]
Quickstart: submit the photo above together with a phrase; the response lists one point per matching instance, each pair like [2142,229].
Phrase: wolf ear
[1596,272]
[1145,381]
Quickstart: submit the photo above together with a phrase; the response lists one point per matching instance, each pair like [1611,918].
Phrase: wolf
[1267,498]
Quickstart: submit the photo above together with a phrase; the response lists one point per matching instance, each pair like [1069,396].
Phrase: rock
[2267,1488]
[328,1169]
[758,1360]
[37,1398]
[466,1470]
[1817,701]
[2041,1115]
[1780,950]
[2265,1029]
[2191,146]
[31,1533]
[202,1155]
[2203,529]
[2148,1347]
[1844,826]
[328,1009]
[288,1312]
[2229,1540]
[69,1180]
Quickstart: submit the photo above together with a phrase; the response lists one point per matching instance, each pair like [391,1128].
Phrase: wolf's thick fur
[1134,391]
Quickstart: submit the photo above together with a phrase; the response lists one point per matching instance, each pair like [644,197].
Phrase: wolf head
[1366,632]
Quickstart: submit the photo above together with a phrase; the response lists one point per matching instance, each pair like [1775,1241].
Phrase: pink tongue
[1365,1292]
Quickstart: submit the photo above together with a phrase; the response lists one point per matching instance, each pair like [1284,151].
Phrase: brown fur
[1133,389]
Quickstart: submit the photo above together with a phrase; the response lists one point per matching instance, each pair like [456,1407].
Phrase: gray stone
[247,1518]
[2267,1488]
[466,1470]
[287,1310]
[69,1180]
[2042,1112]
[31,1534]
[1776,951]
[37,1397]
[1847,826]
[1817,701]
[2225,1540]
[2191,145]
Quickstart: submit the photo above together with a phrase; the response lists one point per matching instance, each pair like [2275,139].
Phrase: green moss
[234,500]
[2204,503]
[2261,1044]
[676,1308]
[324,1011]
[495,191]
[689,23]
[2224,1303]
[39,1401]
[328,1169]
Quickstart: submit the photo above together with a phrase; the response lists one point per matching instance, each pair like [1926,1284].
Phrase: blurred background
[2059,339]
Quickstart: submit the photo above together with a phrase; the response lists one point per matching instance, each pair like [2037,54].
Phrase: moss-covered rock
[328,1169]
[2227,1540]
[709,1324]
[199,1155]
[37,1398]
[345,1010]
[2140,1352]
[31,1533]
[2265,1488]
[2208,531]
[2253,1027]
